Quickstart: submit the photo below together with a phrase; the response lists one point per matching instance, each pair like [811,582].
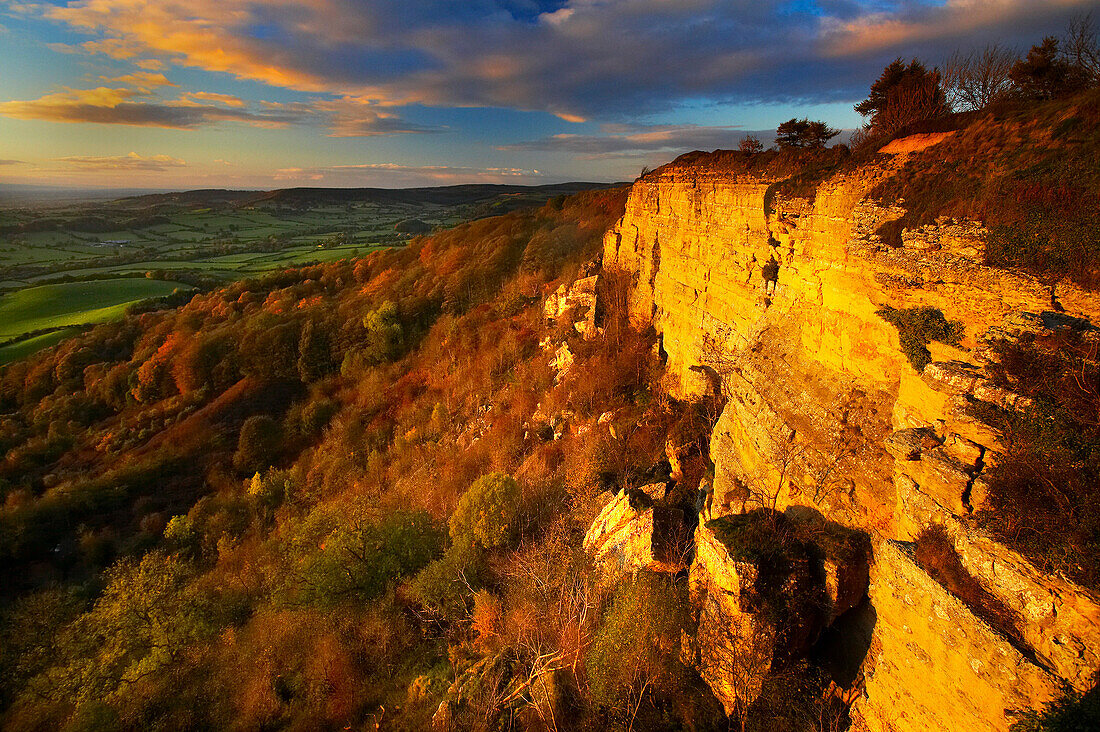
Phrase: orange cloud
[200,33]
[227,99]
[104,105]
[143,80]
[60,105]
[114,47]
[132,161]
[391,173]
[880,31]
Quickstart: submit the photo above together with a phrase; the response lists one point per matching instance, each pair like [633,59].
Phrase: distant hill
[312,197]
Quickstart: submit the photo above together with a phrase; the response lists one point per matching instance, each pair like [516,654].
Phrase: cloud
[351,117]
[124,106]
[131,162]
[137,104]
[578,59]
[637,140]
[227,99]
[391,174]
[945,25]
[142,80]
[11,162]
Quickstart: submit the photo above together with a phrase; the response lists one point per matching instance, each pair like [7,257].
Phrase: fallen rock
[908,444]
[578,297]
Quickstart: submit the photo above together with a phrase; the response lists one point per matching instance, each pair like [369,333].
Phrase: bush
[359,558]
[1044,491]
[445,585]
[917,327]
[636,649]
[487,515]
[1070,712]
[936,555]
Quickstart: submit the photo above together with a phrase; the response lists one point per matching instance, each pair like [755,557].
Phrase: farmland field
[78,263]
[73,303]
[29,346]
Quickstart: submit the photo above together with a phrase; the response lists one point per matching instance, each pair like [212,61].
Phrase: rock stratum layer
[774,298]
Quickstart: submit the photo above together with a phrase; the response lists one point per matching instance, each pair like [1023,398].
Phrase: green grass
[55,306]
[29,346]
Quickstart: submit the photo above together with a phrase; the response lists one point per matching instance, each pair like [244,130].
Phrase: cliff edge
[784,295]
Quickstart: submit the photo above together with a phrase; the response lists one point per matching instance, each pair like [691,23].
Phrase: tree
[802,133]
[314,352]
[1045,74]
[750,144]
[1081,48]
[257,444]
[148,615]
[635,652]
[903,94]
[980,78]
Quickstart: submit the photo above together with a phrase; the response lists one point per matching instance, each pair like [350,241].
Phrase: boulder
[578,297]
[634,532]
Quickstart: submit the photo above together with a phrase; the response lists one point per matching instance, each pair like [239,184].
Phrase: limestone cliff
[774,297]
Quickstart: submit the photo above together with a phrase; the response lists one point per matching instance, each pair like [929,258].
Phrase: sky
[175,94]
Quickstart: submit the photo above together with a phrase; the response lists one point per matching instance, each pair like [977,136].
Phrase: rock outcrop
[933,663]
[634,531]
[765,586]
[778,295]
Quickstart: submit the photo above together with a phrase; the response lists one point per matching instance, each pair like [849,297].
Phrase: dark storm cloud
[581,58]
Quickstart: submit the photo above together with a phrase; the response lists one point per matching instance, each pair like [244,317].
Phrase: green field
[29,346]
[74,303]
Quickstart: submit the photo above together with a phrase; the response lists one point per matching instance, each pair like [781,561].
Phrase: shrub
[444,586]
[359,557]
[917,327]
[1044,491]
[636,649]
[487,515]
[1070,712]
[750,144]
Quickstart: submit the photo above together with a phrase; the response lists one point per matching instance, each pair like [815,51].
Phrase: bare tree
[980,78]
[735,651]
[1080,47]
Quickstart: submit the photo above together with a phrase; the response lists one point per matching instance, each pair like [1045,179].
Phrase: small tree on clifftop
[902,95]
[750,144]
[802,133]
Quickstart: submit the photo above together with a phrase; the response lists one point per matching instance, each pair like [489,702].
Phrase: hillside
[203,239]
[775,441]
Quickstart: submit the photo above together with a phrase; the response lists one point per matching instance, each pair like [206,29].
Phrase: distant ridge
[439,195]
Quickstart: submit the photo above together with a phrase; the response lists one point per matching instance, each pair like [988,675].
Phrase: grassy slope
[27,347]
[54,306]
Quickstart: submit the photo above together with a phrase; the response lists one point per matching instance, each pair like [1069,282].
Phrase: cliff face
[774,298]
